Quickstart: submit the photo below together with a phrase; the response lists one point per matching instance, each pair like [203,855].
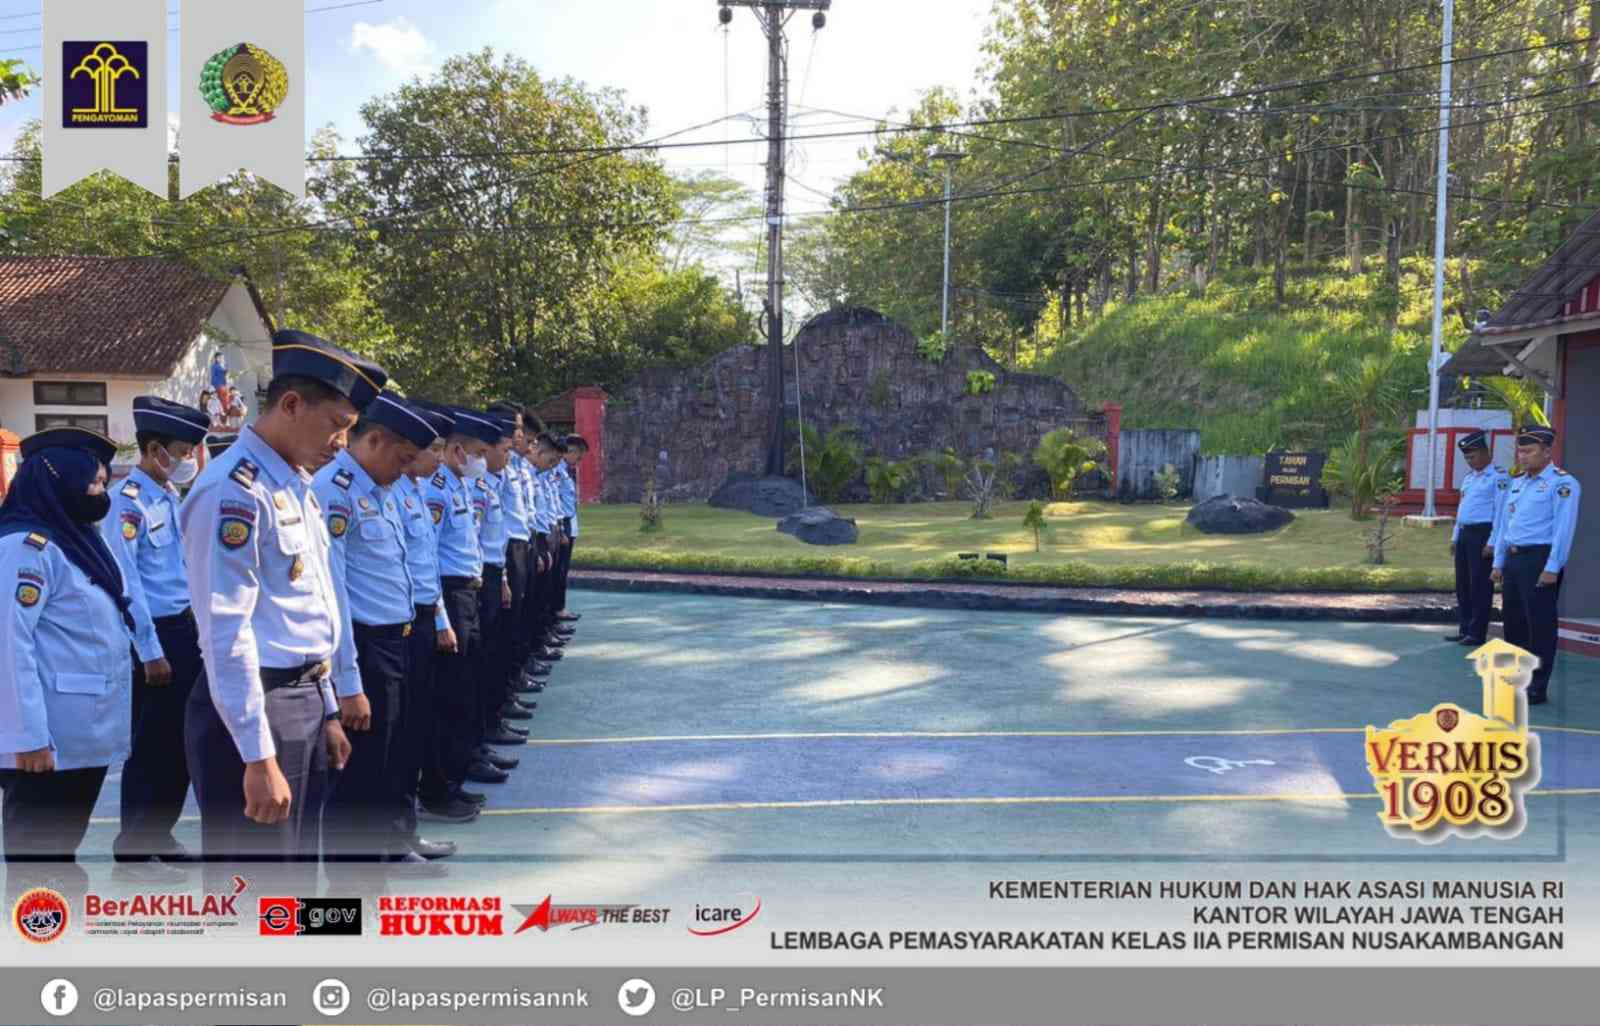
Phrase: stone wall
[856,368]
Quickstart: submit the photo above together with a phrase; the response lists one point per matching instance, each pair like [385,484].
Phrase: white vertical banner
[243,84]
[105,92]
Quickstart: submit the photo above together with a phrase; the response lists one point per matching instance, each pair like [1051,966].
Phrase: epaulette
[1561,473]
[437,480]
[130,489]
[343,479]
[481,484]
[36,540]
[244,474]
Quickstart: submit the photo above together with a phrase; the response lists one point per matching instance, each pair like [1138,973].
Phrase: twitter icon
[636,997]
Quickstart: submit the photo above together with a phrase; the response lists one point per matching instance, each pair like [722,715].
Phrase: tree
[16,80]
[1034,521]
[831,462]
[1066,457]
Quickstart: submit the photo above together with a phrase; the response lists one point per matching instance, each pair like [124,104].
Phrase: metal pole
[944,317]
[1440,215]
[775,113]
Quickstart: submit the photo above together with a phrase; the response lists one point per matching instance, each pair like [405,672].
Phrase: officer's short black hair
[509,409]
[143,439]
[310,389]
[577,442]
[365,426]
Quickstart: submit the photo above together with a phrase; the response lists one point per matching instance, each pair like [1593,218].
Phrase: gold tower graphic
[104,65]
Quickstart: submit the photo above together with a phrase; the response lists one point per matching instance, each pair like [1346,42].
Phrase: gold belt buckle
[322,669]
[406,631]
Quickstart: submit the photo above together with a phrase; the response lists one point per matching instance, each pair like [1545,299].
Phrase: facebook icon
[59,997]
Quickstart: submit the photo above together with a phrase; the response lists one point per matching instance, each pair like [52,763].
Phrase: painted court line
[848,734]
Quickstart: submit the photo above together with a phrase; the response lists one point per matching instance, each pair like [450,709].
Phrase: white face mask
[477,466]
[181,472]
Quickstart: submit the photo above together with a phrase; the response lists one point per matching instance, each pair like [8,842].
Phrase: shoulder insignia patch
[130,489]
[436,510]
[1565,491]
[338,523]
[343,479]
[28,594]
[234,532]
[245,473]
[36,540]
[131,522]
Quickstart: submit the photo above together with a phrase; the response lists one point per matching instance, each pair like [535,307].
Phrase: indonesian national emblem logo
[244,85]
[105,85]
[40,915]
[1453,772]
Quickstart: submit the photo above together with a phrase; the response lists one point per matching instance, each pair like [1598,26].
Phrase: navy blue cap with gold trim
[1476,440]
[477,425]
[1536,436]
[438,417]
[393,412]
[163,417]
[303,355]
[91,442]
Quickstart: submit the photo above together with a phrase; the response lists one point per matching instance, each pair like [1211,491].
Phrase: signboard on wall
[1294,480]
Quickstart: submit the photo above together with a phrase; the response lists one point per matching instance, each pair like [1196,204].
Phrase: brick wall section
[857,369]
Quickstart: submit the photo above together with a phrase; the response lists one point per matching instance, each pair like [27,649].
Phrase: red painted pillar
[1113,412]
[589,420]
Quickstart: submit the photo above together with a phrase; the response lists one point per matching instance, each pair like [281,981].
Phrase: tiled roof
[101,315]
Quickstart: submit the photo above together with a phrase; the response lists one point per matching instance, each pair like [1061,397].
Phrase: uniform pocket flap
[81,683]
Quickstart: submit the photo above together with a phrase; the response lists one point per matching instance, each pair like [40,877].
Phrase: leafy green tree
[1066,457]
[889,480]
[831,462]
[16,80]
[1035,523]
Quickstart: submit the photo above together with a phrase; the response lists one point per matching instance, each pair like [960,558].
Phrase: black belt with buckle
[311,673]
[1527,550]
[455,583]
[387,630]
[183,619]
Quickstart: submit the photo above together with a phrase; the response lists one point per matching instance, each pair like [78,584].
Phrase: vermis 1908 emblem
[244,85]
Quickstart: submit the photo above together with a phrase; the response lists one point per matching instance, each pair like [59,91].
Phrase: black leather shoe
[1537,697]
[481,772]
[498,761]
[453,811]
[569,617]
[1457,636]
[411,866]
[148,871]
[512,711]
[530,687]
[520,731]
[472,798]
[551,655]
[178,855]
[505,736]
[433,849]
[525,704]
[1471,642]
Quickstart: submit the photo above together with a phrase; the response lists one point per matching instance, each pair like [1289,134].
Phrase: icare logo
[313,917]
[715,920]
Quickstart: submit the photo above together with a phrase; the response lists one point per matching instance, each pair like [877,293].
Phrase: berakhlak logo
[105,84]
[309,917]
[1453,772]
[715,920]
[244,85]
[40,915]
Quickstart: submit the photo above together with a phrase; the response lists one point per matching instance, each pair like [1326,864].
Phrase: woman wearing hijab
[65,667]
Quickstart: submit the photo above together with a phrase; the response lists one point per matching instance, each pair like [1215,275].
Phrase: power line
[172,14]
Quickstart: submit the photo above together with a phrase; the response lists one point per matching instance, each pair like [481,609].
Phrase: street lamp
[948,158]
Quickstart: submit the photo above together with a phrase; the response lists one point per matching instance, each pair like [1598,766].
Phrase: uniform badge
[409,503]
[1503,485]
[130,525]
[36,540]
[296,568]
[131,489]
[338,523]
[436,510]
[343,478]
[437,479]
[28,594]
[1565,491]
[279,501]
[364,504]
[244,474]
[234,532]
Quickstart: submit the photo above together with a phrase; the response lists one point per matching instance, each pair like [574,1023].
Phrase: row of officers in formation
[329,637]
[1517,531]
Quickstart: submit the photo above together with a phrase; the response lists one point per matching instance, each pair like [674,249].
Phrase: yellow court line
[845,734]
[1134,799]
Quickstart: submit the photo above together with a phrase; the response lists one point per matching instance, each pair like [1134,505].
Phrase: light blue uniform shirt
[259,582]
[66,676]
[422,548]
[513,496]
[1541,510]
[459,553]
[366,548]
[142,533]
[544,502]
[567,494]
[493,534]
[1483,495]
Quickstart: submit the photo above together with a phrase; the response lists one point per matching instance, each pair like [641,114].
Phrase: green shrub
[889,480]
[1035,522]
[1066,457]
[950,468]
[980,382]
[933,347]
[651,516]
[1167,482]
[831,462]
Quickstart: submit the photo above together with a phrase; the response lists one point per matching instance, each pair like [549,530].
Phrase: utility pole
[948,158]
[1435,357]
[773,16]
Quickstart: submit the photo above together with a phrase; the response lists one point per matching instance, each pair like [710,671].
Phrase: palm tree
[1522,397]
[16,79]
[1371,391]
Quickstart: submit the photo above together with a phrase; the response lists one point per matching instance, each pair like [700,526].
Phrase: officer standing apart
[142,534]
[65,663]
[1483,497]
[1531,547]
[377,603]
[263,730]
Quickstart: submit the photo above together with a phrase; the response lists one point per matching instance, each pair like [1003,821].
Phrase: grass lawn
[1090,543]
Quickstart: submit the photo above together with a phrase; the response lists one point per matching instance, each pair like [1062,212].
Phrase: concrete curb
[1425,607]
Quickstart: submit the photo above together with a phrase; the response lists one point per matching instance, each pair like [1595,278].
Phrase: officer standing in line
[263,730]
[377,606]
[1483,496]
[142,533]
[553,634]
[544,523]
[515,644]
[567,482]
[1531,547]
[493,602]
[66,666]
[416,734]
[440,794]
[534,672]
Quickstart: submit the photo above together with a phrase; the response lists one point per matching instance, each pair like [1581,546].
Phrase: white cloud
[398,45]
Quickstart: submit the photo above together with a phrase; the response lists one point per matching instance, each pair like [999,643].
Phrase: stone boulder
[820,525]
[763,496]
[1229,514]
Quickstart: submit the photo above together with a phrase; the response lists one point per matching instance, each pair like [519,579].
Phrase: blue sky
[874,56]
